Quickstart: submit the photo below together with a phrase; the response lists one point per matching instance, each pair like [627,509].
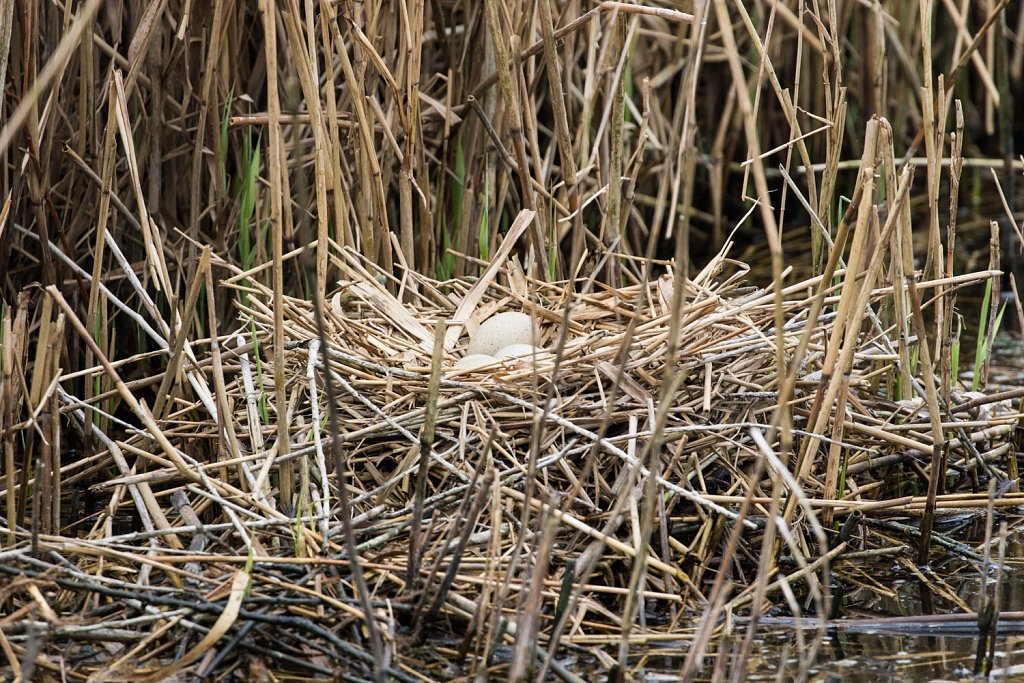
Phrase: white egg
[518,351]
[475,361]
[500,331]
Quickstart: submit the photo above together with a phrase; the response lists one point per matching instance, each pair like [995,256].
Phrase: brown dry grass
[207,205]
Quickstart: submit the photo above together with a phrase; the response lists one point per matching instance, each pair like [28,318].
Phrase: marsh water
[894,625]
[893,618]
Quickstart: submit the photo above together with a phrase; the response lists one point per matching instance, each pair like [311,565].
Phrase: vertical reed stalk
[276,171]
[936,472]
[7,420]
[513,117]
[946,370]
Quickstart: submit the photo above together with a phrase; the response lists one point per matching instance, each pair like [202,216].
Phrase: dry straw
[244,244]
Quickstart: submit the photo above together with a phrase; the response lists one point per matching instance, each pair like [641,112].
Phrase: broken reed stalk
[228,439]
[469,513]
[995,308]
[946,332]
[175,356]
[771,227]
[426,449]
[107,166]
[871,274]
[306,67]
[646,526]
[936,471]
[45,373]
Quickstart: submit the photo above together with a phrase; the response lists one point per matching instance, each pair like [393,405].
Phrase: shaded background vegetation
[396,131]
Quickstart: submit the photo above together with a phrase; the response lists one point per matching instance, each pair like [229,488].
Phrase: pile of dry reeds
[529,508]
[243,245]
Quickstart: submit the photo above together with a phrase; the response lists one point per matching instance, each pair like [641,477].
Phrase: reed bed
[243,247]
[488,503]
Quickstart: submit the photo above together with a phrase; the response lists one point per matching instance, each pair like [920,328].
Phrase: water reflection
[847,656]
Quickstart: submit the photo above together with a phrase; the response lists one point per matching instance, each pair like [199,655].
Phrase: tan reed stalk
[513,119]
[7,415]
[175,358]
[306,67]
[995,306]
[840,353]
[937,471]
[276,170]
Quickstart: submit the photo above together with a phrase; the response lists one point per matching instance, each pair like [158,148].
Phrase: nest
[504,512]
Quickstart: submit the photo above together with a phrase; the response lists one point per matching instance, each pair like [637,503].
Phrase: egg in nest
[500,331]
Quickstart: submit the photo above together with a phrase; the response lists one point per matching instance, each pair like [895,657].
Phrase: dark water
[866,658]
[860,651]
[915,648]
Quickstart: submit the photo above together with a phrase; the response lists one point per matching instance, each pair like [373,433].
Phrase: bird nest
[504,511]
